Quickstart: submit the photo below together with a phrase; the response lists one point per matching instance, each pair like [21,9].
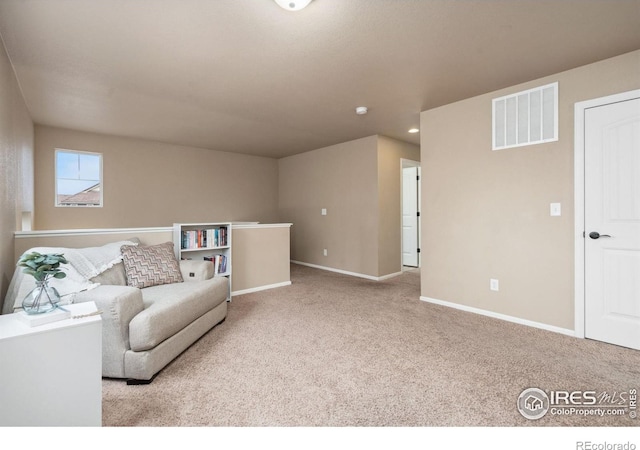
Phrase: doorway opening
[410,211]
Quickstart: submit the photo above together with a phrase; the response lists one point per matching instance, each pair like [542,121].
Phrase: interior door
[410,216]
[612,223]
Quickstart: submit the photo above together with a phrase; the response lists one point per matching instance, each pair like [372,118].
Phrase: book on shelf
[223,264]
[204,238]
[219,263]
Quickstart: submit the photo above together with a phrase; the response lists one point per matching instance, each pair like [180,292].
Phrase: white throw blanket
[92,261]
[84,264]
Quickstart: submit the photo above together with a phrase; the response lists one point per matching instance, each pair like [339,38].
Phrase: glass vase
[42,299]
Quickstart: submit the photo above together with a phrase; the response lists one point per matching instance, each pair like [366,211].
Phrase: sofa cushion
[196,270]
[151,266]
[114,275]
[171,307]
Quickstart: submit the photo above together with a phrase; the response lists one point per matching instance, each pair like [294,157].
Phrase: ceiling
[247,76]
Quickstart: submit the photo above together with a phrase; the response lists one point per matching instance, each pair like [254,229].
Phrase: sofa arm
[196,270]
[119,304]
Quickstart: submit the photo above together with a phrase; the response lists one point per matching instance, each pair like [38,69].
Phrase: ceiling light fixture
[414,130]
[293,5]
[360,110]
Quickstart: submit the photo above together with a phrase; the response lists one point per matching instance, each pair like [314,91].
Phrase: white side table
[51,375]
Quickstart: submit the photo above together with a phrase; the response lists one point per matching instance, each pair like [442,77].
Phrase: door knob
[596,235]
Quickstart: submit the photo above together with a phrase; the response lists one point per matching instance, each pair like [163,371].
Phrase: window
[78,178]
[526,118]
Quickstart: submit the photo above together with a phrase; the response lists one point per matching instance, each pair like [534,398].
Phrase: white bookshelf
[205,241]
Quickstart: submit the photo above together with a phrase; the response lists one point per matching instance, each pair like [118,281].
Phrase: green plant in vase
[43,298]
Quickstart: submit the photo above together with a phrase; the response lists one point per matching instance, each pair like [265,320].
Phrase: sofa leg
[135,382]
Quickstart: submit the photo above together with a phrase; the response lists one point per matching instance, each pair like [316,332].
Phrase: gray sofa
[143,330]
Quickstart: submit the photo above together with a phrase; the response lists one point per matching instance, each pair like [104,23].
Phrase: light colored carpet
[334,350]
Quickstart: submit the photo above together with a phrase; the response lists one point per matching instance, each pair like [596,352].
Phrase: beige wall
[260,256]
[149,183]
[390,154]
[343,179]
[358,182]
[16,166]
[486,213]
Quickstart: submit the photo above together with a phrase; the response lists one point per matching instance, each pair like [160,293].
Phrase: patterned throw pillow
[150,266]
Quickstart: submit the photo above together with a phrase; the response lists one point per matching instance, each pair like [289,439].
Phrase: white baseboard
[391,275]
[345,272]
[495,315]
[261,288]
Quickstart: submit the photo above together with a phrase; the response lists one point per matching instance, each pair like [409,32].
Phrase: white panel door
[410,216]
[612,223]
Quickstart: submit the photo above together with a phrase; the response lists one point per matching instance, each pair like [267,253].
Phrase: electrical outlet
[324,252]
[494,284]
[323,211]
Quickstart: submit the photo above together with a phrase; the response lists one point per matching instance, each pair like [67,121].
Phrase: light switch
[324,211]
[555,209]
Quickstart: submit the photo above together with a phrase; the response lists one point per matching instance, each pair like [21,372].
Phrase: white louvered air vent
[526,118]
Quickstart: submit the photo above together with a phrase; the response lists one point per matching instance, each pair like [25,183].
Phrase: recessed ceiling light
[360,110]
[414,130]
[293,5]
